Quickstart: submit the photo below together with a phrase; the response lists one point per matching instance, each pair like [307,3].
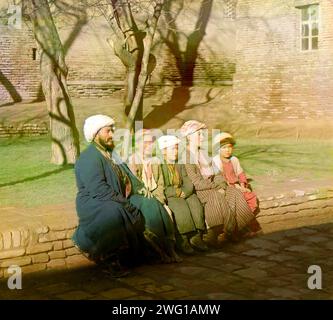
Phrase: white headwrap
[94,123]
[167,141]
[191,126]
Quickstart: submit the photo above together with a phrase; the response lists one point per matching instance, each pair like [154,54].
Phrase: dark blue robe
[107,220]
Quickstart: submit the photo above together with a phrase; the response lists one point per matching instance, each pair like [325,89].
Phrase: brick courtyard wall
[19,73]
[216,53]
[23,129]
[39,249]
[50,246]
[91,59]
[94,70]
[274,79]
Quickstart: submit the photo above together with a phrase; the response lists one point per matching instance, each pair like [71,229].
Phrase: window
[34,54]
[310,27]
[230,9]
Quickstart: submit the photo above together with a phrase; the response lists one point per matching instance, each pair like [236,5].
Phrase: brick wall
[23,129]
[94,70]
[41,247]
[19,73]
[274,79]
[215,60]
[90,57]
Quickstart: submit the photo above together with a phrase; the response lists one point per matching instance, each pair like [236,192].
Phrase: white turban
[94,123]
[191,126]
[167,141]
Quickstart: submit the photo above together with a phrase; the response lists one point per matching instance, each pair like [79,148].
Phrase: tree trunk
[138,99]
[64,134]
[130,86]
[145,66]
[65,138]
[130,90]
[132,63]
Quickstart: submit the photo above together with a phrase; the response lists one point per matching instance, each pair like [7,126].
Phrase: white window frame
[230,10]
[309,24]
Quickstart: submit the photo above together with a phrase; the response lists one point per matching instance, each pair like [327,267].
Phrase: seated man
[108,224]
[181,199]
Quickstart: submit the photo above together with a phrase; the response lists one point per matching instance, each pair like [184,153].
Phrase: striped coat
[229,209]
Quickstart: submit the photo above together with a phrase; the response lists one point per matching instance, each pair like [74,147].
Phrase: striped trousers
[230,209]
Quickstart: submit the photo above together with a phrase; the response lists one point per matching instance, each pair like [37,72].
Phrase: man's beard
[109,145]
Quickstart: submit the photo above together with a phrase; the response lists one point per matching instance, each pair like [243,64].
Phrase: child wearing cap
[229,166]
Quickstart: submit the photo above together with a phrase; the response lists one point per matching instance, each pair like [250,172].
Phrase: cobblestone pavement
[271,266]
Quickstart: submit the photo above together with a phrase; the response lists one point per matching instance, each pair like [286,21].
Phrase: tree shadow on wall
[161,114]
[14,94]
[79,14]
[185,60]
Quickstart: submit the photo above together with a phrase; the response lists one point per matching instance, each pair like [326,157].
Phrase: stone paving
[271,266]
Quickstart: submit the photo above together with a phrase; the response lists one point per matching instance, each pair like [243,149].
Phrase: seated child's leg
[254,225]
[251,200]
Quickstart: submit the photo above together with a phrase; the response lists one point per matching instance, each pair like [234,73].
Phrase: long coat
[107,220]
[217,210]
[137,169]
[229,209]
[188,212]
[157,220]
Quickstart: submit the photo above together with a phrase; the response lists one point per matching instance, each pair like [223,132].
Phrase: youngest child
[229,166]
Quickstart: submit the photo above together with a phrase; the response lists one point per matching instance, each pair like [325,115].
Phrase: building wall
[216,52]
[95,71]
[19,73]
[274,79]
[92,62]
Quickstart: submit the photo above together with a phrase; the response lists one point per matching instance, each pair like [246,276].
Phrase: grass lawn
[28,179]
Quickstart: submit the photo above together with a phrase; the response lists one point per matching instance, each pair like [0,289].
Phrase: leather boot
[211,238]
[197,243]
[184,246]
